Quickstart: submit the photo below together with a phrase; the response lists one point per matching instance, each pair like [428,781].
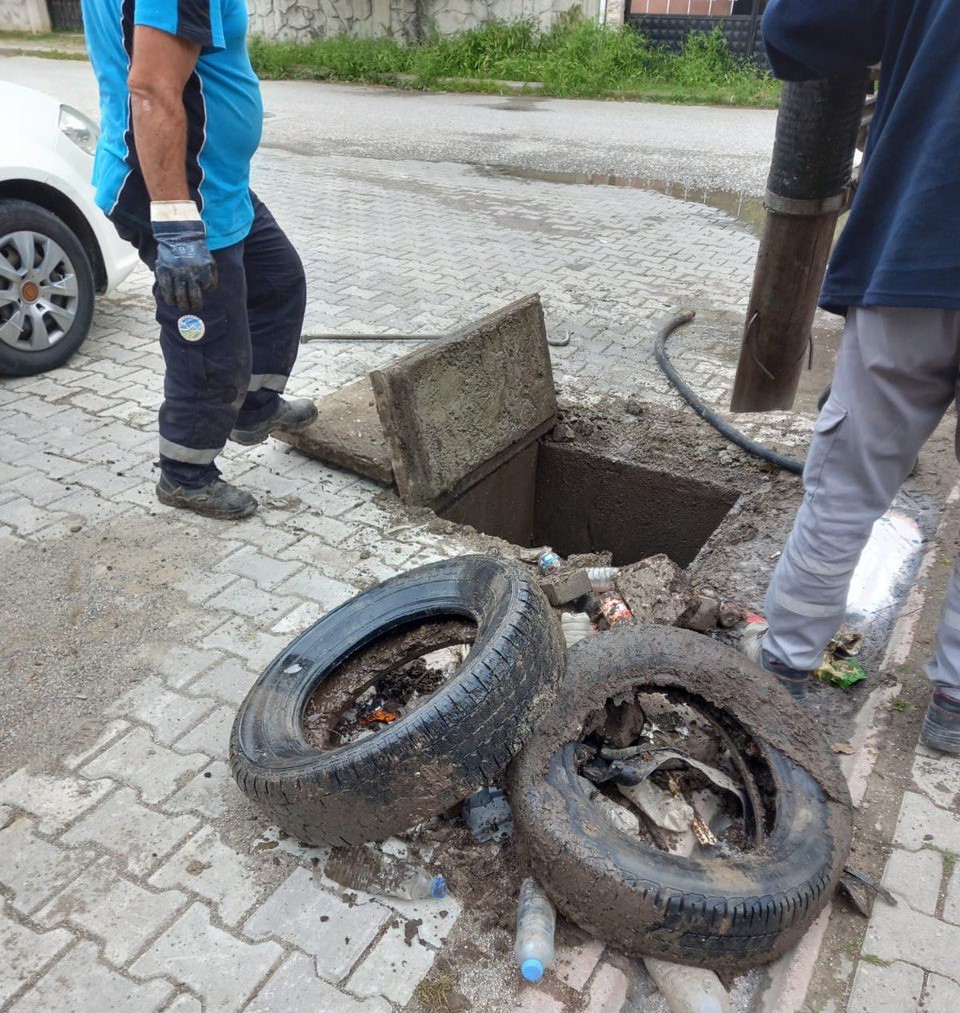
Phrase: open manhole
[578,500]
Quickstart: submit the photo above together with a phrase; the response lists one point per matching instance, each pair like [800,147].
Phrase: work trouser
[227,364]
[897,373]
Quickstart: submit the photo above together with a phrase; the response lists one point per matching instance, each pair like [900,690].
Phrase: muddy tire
[725,913]
[456,741]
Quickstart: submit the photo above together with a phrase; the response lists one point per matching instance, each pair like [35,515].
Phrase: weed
[899,703]
[949,858]
[574,58]
[870,958]
[434,994]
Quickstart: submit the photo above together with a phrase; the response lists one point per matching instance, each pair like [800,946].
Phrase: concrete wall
[302,20]
[24,16]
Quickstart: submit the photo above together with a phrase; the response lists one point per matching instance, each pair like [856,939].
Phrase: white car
[57,248]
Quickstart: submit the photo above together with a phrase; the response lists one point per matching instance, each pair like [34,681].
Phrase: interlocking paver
[900,933]
[168,714]
[24,953]
[33,869]
[880,989]
[143,764]
[265,571]
[332,931]
[178,664]
[394,967]
[117,910]
[237,636]
[222,970]
[226,680]
[608,990]
[211,735]
[184,1004]
[325,591]
[206,866]
[79,983]
[112,730]
[295,988]
[243,596]
[55,801]
[921,823]
[914,877]
[140,836]
[209,793]
[941,995]
[938,777]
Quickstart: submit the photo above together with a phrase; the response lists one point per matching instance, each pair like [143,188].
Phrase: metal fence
[65,15]
[668,23]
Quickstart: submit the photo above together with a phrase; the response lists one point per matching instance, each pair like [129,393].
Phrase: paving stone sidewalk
[133,875]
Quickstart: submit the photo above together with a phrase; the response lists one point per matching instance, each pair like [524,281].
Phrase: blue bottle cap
[531,969]
[439,887]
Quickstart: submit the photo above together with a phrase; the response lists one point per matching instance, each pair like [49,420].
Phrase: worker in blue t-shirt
[181,119]
[895,274]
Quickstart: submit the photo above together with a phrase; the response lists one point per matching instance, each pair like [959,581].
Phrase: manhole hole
[578,500]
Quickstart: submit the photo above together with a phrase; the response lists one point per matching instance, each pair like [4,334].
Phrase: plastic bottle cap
[532,969]
[439,887]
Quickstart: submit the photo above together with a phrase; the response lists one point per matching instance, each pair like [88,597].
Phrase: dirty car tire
[457,740]
[726,913]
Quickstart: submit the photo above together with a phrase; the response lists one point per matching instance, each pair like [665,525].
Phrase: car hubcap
[39,295]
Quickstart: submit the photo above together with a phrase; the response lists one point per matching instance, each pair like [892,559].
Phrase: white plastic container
[688,989]
[576,626]
[371,870]
[536,923]
[602,578]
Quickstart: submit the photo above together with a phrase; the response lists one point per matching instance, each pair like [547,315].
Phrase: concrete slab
[347,433]
[457,409]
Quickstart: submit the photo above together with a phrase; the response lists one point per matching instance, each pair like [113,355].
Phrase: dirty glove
[185,267]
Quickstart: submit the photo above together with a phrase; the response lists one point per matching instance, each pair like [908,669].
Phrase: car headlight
[79,128]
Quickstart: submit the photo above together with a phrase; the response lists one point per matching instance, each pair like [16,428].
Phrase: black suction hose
[721,425]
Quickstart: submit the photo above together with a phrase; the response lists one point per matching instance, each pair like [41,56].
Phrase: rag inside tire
[456,741]
[726,913]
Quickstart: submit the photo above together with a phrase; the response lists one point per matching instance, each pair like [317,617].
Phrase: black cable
[708,414]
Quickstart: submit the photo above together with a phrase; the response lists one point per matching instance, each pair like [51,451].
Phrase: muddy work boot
[941,723]
[793,680]
[290,417]
[217,499]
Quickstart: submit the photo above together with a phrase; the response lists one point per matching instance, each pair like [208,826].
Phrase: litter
[576,626]
[663,808]
[688,989]
[369,869]
[488,815]
[536,924]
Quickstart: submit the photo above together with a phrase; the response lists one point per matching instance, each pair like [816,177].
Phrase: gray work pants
[896,375]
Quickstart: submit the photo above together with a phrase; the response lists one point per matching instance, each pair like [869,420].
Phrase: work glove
[185,268]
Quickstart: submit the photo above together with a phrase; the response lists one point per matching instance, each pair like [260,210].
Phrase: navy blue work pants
[227,364]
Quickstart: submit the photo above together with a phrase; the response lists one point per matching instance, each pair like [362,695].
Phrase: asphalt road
[712,148]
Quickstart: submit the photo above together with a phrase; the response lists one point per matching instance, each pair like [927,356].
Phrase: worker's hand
[185,268]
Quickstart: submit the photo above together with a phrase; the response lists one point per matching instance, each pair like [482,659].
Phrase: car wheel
[46,290]
[444,747]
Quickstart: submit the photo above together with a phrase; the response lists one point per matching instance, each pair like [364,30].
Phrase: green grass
[576,58]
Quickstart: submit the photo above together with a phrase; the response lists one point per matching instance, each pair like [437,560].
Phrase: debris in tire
[487,815]
[665,809]
[564,586]
[369,869]
[688,989]
[840,672]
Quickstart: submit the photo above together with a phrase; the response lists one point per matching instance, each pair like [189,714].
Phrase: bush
[574,58]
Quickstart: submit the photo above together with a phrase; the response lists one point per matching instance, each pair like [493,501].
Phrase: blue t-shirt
[221,99]
[901,245]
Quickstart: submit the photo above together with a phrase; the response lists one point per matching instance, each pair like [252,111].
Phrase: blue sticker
[191,328]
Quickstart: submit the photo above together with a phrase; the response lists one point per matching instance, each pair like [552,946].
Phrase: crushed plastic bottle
[688,989]
[549,560]
[602,577]
[371,870]
[576,626]
[536,923]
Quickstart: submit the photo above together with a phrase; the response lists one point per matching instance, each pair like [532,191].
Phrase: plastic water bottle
[602,578]
[576,626]
[536,922]
[688,989]
[549,560]
[373,871]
